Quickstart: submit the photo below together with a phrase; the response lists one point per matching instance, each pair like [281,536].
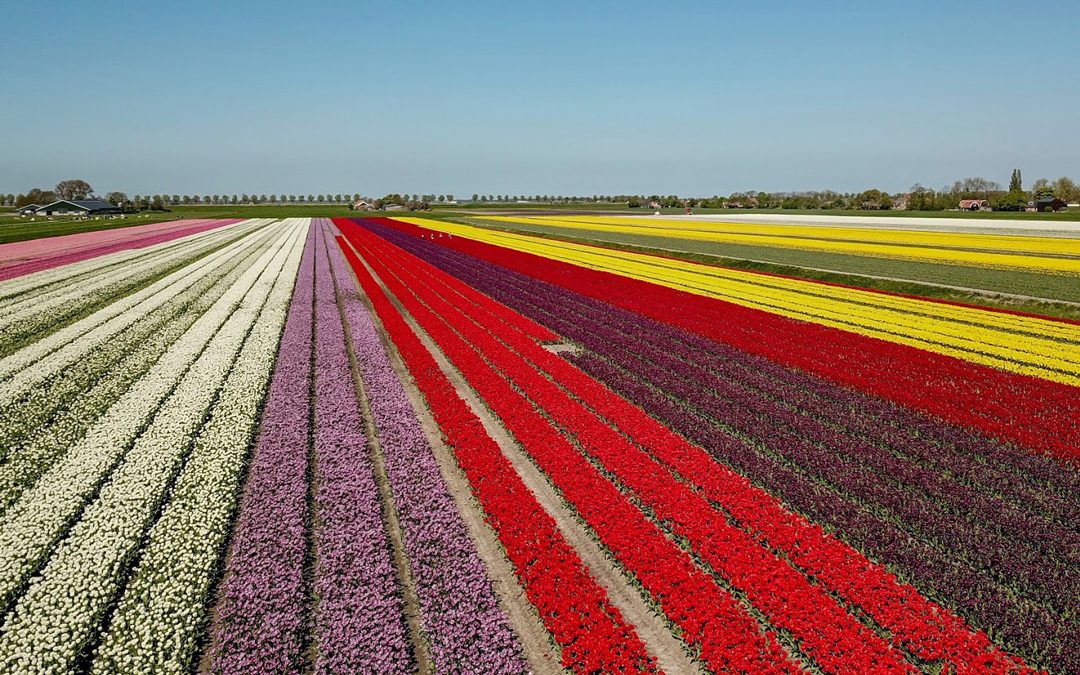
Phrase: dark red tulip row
[589,629]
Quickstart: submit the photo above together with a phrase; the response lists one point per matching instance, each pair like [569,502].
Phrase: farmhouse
[82,207]
[27,210]
[1044,204]
[974,205]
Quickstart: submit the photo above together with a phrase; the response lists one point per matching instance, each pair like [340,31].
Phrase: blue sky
[693,98]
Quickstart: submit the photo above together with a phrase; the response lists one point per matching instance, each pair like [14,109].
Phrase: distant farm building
[974,205]
[27,210]
[1045,204]
[361,205]
[77,207]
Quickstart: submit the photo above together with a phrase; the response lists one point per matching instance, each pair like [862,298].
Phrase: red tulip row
[915,624]
[828,634]
[588,628]
[709,619]
[1038,414]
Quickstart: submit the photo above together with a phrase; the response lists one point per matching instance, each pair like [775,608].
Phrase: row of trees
[1015,198]
[919,197]
[38,196]
[80,189]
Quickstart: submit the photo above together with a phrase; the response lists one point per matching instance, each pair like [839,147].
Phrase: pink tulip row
[26,257]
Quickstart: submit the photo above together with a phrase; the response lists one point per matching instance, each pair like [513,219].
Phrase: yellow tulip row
[1011,252]
[1030,345]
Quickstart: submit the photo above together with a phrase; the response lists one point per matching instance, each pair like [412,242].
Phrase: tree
[1014,200]
[36,196]
[1042,189]
[73,188]
[116,198]
[874,199]
[1064,189]
[1015,183]
[449,198]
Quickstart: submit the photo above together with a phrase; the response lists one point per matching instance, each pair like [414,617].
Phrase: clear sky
[694,98]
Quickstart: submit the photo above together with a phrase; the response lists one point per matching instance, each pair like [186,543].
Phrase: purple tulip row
[259,623]
[779,459]
[262,621]
[359,621]
[467,630]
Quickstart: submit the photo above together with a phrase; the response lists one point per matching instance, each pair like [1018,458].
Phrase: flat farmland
[538,443]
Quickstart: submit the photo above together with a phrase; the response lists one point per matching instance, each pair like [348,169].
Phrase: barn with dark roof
[77,207]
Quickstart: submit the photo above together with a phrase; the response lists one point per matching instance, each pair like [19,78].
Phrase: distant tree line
[918,198]
[80,189]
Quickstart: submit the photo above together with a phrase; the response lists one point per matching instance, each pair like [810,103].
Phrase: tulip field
[411,445]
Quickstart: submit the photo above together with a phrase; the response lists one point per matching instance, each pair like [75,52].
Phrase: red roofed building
[974,205]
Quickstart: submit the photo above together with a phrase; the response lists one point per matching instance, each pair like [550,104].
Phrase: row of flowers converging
[109,524]
[1034,412]
[1040,347]
[864,494]
[127,446]
[994,581]
[53,414]
[705,532]
[357,613]
[131,427]
[40,305]
[1010,252]
[63,254]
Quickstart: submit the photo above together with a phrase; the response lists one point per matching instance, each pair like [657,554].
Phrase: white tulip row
[34,308]
[35,363]
[14,290]
[162,611]
[53,418]
[31,410]
[42,513]
[58,614]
